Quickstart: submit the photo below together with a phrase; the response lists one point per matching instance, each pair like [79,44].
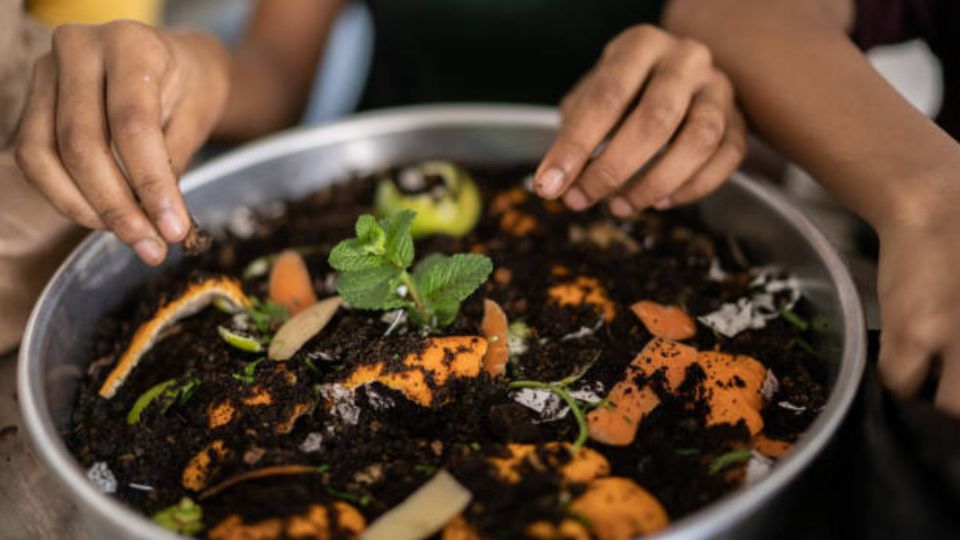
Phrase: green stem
[571,402]
[421,308]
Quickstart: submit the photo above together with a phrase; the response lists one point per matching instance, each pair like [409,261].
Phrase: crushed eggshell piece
[584,290]
[441,359]
[199,470]
[196,297]
[619,509]
[667,322]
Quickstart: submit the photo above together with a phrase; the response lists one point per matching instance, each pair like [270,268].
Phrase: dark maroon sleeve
[937,22]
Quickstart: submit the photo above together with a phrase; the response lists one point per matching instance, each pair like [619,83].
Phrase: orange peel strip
[585,465]
[667,322]
[619,509]
[584,290]
[196,297]
[630,404]
[467,353]
[772,448]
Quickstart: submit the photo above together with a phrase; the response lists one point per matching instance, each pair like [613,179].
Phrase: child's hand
[920,301]
[650,92]
[114,114]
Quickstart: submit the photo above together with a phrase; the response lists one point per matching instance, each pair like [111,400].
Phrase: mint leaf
[371,235]
[372,288]
[350,255]
[399,242]
[444,281]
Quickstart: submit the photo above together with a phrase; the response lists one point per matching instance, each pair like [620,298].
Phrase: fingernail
[575,199]
[663,204]
[550,182]
[149,250]
[620,207]
[171,226]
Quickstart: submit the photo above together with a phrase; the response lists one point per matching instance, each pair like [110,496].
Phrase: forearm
[812,93]
[272,69]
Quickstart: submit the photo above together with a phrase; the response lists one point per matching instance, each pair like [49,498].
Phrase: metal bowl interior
[101,273]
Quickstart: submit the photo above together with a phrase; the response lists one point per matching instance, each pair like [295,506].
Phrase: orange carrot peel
[667,322]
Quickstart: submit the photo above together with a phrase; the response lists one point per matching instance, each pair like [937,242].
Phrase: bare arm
[810,91]
[273,67]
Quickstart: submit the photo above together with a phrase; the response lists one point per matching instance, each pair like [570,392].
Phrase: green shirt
[525,51]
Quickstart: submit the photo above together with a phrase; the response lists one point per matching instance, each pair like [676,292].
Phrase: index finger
[596,106]
[134,118]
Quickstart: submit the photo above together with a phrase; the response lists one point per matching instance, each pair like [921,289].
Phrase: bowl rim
[716,517]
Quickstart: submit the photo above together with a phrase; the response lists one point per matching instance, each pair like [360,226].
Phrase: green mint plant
[375,272]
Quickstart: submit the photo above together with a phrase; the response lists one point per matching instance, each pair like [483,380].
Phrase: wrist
[924,201]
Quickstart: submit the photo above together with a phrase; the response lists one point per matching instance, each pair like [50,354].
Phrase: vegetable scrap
[618,509]
[290,283]
[420,373]
[584,290]
[443,196]
[196,297]
[667,322]
[495,328]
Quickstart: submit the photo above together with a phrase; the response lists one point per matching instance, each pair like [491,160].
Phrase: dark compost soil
[393,449]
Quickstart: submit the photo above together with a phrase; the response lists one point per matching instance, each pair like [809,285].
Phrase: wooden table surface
[32,503]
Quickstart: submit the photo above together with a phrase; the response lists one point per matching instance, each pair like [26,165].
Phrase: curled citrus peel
[442,359]
[196,297]
[584,290]
[731,388]
[667,322]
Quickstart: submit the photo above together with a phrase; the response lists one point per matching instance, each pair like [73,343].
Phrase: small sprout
[247,375]
[725,460]
[428,470]
[238,340]
[145,399]
[475,446]
[361,500]
[804,346]
[185,517]
[311,365]
[375,267]
[797,321]
[451,206]
[267,315]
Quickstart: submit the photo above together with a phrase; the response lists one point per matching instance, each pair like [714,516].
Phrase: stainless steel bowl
[101,273]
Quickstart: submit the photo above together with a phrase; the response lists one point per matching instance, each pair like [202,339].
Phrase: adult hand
[653,124]
[920,303]
[114,114]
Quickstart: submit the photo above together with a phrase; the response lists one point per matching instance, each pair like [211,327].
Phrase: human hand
[920,304]
[114,114]
[667,116]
